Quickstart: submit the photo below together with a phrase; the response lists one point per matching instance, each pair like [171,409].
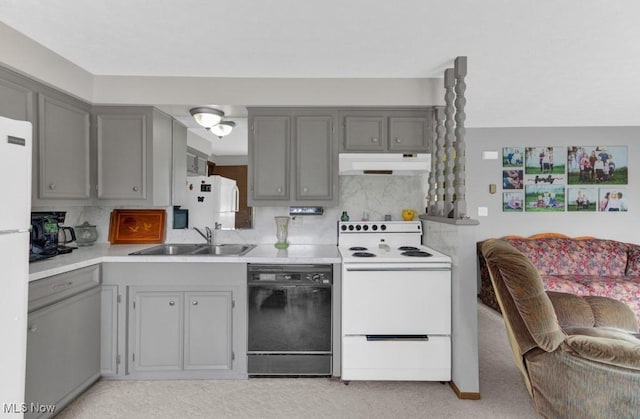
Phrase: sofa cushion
[560,256]
[633,260]
[625,289]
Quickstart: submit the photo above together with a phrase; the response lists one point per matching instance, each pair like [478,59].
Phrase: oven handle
[401,338]
[396,269]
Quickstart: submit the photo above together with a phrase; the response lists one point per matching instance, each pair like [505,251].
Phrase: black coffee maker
[45,226]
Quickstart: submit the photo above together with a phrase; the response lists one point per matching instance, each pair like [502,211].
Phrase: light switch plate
[490,155]
[483,211]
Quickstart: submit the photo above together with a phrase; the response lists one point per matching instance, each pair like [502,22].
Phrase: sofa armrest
[592,311]
[607,350]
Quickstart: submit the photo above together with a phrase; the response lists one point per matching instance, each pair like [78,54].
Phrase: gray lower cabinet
[63,339]
[110,362]
[208,323]
[292,157]
[156,330]
[174,320]
[175,331]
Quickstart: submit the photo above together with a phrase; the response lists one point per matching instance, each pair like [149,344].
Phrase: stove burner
[363,255]
[416,253]
[405,248]
[355,248]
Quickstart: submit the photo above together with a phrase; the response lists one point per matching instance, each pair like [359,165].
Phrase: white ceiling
[531,62]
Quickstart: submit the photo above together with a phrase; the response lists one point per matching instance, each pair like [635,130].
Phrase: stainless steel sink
[188,249]
[224,249]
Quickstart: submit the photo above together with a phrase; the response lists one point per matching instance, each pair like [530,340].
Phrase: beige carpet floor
[503,393]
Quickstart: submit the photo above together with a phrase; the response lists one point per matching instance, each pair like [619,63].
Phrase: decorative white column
[460,204]
[436,157]
[449,81]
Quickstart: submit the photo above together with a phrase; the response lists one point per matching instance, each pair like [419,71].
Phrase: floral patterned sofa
[580,266]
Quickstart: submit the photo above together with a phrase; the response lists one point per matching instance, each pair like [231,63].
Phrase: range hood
[384,163]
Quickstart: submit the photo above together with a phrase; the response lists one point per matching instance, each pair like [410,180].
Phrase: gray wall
[480,173]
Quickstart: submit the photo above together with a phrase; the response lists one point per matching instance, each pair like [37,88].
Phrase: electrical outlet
[483,211]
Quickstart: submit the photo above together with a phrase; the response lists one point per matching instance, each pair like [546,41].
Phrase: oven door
[396,299]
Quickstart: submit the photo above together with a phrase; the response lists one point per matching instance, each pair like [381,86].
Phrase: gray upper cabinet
[315,162]
[365,133]
[269,157]
[179,192]
[196,162]
[134,155]
[386,130]
[292,157]
[16,101]
[122,153]
[63,144]
[409,134]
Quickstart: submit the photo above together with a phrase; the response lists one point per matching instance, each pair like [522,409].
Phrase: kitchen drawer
[396,360]
[49,290]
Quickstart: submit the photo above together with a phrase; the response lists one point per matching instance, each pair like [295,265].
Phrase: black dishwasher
[289,319]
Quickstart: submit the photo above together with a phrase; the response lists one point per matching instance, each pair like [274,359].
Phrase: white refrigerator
[15,218]
[212,201]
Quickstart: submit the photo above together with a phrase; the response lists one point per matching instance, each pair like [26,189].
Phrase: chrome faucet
[208,236]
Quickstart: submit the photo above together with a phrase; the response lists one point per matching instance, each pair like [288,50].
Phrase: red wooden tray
[129,226]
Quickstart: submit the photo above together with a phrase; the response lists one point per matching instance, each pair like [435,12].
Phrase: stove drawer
[428,360]
[396,302]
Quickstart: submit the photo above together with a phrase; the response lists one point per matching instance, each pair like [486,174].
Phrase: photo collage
[558,179]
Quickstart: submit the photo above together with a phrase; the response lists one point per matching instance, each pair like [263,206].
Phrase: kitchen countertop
[98,253]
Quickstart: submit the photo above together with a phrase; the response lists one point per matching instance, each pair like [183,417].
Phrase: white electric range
[396,303]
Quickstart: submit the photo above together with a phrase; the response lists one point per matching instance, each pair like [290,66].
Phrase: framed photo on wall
[613,200]
[597,165]
[545,160]
[582,199]
[544,198]
[512,201]
[512,157]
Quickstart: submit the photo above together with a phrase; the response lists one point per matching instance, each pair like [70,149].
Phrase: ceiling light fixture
[223,128]
[207,117]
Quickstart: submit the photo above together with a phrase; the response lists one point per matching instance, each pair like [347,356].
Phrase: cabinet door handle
[279,190]
[305,189]
[33,328]
[398,140]
[374,140]
[172,303]
[194,302]
[52,186]
[135,189]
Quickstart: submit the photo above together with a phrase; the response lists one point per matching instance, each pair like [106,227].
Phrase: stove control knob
[343,228]
[383,227]
[374,227]
[365,227]
[351,227]
[358,227]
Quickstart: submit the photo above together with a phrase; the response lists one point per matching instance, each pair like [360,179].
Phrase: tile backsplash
[375,195]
